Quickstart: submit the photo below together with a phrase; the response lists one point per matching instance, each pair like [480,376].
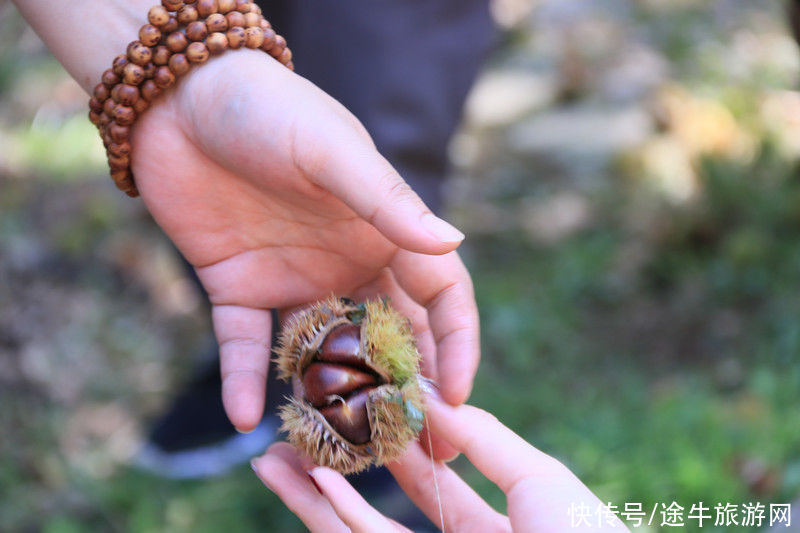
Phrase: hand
[277,196]
[539,490]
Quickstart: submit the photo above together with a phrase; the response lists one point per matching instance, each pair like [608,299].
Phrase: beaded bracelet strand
[179,34]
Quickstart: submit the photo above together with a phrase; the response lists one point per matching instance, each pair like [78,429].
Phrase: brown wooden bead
[120,149]
[161,55]
[118,132]
[286,56]
[104,119]
[150,90]
[139,53]
[94,116]
[177,42]
[109,79]
[322,380]
[290,66]
[196,31]
[351,421]
[236,37]
[277,47]
[224,6]
[216,22]
[255,8]
[187,15]
[206,7]
[117,162]
[119,63]
[235,18]
[149,70]
[134,74]
[124,115]
[171,26]
[125,94]
[269,40]
[217,43]
[164,77]
[108,107]
[130,190]
[158,16]
[149,35]
[255,37]
[120,176]
[172,5]
[105,136]
[243,6]
[141,105]
[179,65]
[197,52]
[101,92]
[95,104]
[264,23]
[252,20]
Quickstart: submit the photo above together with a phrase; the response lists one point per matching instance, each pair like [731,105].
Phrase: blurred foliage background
[628,178]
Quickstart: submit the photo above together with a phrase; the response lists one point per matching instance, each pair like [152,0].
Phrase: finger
[443,286]
[438,446]
[282,472]
[351,508]
[358,175]
[244,337]
[540,490]
[462,507]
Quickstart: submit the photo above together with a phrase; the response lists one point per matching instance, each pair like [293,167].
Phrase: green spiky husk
[395,409]
[390,342]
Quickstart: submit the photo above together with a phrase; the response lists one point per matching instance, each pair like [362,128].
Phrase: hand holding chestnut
[539,489]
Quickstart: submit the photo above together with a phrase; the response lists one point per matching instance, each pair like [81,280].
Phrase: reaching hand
[540,491]
[278,197]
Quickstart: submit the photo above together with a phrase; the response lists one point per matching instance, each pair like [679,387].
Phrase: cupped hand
[277,196]
[540,491]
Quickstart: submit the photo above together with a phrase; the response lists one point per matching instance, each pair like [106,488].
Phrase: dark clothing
[402,67]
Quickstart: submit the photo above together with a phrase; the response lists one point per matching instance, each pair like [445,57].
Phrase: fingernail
[258,475]
[430,387]
[451,459]
[440,229]
[314,481]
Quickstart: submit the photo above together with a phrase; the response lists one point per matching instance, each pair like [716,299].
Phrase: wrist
[86,35]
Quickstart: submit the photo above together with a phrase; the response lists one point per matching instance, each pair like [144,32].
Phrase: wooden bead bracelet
[179,34]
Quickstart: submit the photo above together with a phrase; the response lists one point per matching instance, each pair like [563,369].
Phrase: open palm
[277,196]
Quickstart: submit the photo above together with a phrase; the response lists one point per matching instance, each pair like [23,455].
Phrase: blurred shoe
[194,438]
[211,460]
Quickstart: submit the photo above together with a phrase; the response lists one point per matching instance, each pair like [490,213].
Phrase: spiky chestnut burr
[355,370]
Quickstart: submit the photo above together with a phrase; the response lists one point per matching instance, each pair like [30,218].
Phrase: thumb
[351,168]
